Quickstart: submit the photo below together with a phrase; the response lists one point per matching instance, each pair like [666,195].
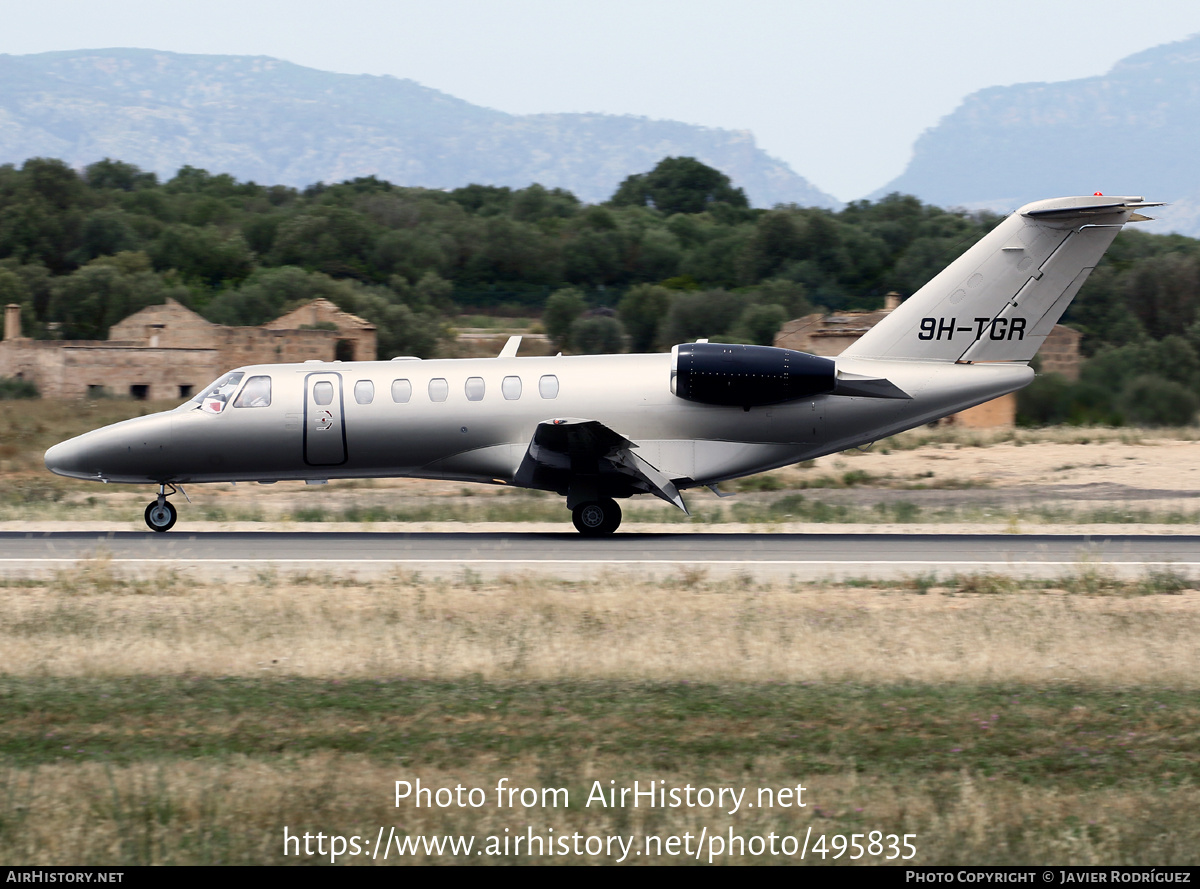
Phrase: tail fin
[1000,299]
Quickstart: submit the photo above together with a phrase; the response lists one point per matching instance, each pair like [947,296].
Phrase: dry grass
[168,721]
[234,812]
[1086,627]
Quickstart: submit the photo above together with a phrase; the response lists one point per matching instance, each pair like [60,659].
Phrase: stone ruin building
[170,352]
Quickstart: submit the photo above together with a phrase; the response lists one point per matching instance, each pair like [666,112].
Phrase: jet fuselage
[473,420]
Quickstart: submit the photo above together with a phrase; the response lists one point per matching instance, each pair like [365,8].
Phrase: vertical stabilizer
[1000,299]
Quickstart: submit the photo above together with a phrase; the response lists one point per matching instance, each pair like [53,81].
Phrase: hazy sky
[839,90]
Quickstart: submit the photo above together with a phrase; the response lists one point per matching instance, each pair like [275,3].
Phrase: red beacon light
[1097,194]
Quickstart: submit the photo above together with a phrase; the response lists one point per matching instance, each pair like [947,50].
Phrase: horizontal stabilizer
[1094,208]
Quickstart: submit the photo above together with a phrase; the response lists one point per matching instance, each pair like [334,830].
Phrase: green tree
[431,292]
[535,203]
[597,335]
[410,252]
[759,324]
[594,257]
[111,174]
[562,308]
[1154,401]
[777,241]
[398,329]
[791,295]
[99,295]
[203,255]
[334,240]
[105,231]
[679,185]
[267,294]
[642,310]
[692,316]
[656,256]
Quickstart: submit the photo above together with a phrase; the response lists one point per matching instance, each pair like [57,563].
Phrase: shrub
[13,387]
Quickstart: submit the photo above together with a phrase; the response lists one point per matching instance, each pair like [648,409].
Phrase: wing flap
[587,449]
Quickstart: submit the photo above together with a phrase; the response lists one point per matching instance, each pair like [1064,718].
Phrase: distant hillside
[275,122]
[1133,130]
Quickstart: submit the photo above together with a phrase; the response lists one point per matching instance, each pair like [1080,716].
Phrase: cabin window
[474,388]
[439,389]
[364,391]
[511,387]
[256,393]
[401,391]
[213,399]
[323,392]
[548,386]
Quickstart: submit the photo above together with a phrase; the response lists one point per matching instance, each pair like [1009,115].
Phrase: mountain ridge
[1130,130]
[273,121]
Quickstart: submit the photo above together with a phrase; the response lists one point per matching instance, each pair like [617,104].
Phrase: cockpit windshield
[214,398]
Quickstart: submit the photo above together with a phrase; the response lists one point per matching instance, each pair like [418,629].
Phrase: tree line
[676,253]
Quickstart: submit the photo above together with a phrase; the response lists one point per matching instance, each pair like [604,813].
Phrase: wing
[588,458]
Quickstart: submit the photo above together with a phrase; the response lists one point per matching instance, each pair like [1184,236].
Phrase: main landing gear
[596,518]
[160,514]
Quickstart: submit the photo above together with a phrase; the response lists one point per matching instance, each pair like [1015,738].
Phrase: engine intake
[747,376]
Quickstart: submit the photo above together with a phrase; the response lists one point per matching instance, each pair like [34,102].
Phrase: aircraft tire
[597,518]
[161,518]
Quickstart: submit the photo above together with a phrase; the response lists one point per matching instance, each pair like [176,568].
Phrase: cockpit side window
[212,399]
[256,393]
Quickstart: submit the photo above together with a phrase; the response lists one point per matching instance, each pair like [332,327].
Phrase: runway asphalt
[243,555]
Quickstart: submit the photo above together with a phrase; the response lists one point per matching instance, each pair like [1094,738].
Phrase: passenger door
[324,427]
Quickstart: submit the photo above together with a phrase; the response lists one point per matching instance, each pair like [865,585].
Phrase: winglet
[510,348]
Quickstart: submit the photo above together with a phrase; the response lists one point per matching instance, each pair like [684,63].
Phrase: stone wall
[255,345]
[82,368]
[1060,353]
[169,351]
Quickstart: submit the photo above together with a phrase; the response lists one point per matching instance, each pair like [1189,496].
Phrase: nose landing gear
[160,514]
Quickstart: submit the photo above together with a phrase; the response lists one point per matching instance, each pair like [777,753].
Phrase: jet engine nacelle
[747,376]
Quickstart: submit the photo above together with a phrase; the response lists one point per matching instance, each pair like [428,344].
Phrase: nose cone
[69,458]
[133,451]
